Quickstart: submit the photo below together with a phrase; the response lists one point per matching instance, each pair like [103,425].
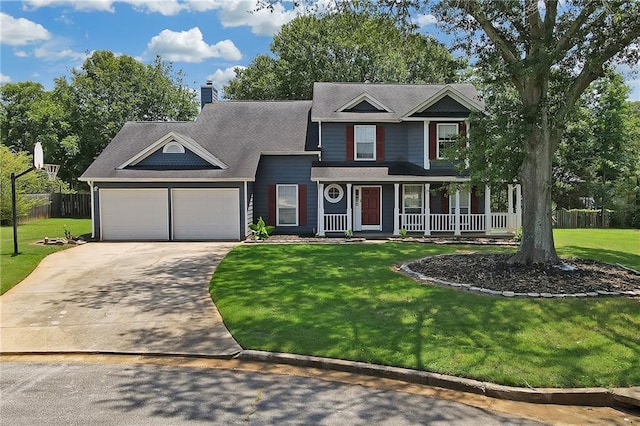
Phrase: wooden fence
[582,218]
[58,205]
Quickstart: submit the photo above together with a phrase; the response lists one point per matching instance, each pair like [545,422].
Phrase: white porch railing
[335,222]
[472,222]
[501,223]
[412,222]
[442,222]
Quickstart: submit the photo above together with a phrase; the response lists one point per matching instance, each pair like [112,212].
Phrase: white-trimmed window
[364,142]
[333,193]
[447,136]
[287,211]
[173,147]
[412,198]
[465,202]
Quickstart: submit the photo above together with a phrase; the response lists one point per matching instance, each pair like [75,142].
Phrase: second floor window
[365,142]
[447,136]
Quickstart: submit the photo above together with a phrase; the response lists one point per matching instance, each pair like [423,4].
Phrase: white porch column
[518,206]
[487,209]
[457,228]
[396,209]
[510,221]
[427,209]
[349,209]
[320,209]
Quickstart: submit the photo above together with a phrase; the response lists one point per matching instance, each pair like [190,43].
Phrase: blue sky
[207,39]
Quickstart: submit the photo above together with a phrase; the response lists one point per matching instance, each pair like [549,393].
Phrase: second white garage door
[205,214]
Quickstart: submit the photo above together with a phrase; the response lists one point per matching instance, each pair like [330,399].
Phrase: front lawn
[17,268]
[345,301]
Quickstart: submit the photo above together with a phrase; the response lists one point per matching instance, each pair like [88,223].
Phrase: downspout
[246,212]
[93,207]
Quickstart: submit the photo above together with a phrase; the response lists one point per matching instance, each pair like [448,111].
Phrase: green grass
[606,245]
[16,268]
[345,301]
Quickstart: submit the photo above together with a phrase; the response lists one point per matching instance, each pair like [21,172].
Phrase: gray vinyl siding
[187,160]
[286,169]
[415,143]
[395,142]
[340,206]
[168,186]
[334,141]
[387,208]
[402,142]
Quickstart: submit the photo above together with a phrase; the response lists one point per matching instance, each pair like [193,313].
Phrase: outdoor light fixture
[38,163]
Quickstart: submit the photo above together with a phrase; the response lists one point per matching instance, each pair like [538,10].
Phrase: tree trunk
[537,244]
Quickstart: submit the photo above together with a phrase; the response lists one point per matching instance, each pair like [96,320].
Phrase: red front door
[370,206]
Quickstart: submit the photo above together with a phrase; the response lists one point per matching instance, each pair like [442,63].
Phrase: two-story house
[363,157]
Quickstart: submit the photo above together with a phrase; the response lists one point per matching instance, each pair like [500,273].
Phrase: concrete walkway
[119,297]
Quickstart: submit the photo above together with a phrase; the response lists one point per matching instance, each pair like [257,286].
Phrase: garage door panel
[134,214]
[205,213]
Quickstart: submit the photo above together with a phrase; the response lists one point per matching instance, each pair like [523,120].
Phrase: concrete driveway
[119,297]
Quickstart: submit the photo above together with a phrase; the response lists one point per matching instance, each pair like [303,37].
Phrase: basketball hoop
[52,170]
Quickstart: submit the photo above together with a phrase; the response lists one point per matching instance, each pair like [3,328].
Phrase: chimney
[208,94]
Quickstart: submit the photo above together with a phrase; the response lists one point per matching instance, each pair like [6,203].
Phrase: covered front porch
[417,208]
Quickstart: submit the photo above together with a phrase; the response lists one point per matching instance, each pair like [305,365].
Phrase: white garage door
[206,214]
[134,214]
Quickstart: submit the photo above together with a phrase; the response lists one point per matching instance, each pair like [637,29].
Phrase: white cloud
[262,22]
[4,78]
[189,46]
[425,20]
[232,13]
[164,7]
[221,77]
[20,53]
[21,31]
[56,55]
[84,5]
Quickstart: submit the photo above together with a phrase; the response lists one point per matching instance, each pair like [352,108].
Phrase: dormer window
[173,147]
[365,142]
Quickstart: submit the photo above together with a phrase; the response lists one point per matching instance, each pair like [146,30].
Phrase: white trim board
[183,140]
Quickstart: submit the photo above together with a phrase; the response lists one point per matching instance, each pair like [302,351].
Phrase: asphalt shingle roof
[401,99]
[235,132]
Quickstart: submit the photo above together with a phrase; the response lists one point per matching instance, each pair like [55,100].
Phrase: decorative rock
[592,294]
[521,294]
[508,293]
[580,295]
[546,295]
[559,296]
[475,289]
[533,294]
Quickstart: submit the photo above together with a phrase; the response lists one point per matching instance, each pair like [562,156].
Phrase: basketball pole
[14,210]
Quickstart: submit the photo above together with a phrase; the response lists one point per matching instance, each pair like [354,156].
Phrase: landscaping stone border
[404,268]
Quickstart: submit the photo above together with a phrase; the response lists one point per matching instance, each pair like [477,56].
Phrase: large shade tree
[548,52]
[352,46]
[109,90]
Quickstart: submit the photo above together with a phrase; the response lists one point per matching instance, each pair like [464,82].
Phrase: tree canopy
[352,46]
[78,118]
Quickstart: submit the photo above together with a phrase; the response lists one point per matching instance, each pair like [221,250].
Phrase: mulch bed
[491,271]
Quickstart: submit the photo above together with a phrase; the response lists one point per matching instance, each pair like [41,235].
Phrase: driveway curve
[119,297]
